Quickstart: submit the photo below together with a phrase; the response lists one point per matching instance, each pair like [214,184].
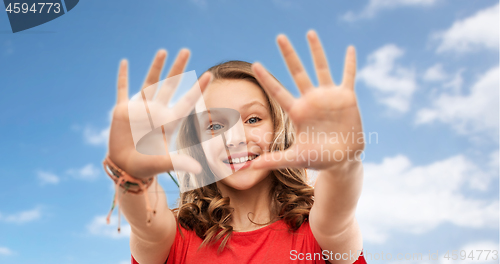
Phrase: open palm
[327,118]
[122,150]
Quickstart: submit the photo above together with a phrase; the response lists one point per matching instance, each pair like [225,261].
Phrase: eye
[215,127]
[253,120]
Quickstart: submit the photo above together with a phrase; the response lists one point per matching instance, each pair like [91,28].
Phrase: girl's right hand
[121,144]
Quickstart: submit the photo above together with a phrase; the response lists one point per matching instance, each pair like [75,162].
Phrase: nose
[235,136]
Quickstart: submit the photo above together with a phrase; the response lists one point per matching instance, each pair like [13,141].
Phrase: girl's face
[248,138]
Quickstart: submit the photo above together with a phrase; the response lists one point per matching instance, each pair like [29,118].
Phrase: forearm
[134,208]
[336,195]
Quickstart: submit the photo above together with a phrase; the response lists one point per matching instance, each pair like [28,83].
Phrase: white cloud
[99,227]
[451,82]
[475,32]
[22,217]
[393,84]
[478,252]
[5,251]
[494,160]
[47,178]
[93,136]
[435,73]
[455,83]
[96,137]
[472,113]
[88,172]
[400,197]
[375,6]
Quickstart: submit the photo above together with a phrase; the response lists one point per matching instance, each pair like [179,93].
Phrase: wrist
[130,185]
[124,180]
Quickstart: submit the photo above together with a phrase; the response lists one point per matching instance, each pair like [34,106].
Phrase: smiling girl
[259,208]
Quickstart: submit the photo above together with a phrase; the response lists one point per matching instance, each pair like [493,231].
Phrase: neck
[251,204]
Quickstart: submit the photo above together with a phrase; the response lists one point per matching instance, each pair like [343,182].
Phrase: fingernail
[162,53]
[256,66]
[311,33]
[281,38]
[184,52]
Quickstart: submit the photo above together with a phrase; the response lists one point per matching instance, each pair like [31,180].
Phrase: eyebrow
[252,103]
[245,106]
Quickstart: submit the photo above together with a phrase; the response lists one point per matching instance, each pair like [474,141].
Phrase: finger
[319,58]
[122,94]
[277,160]
[188,101]
[273,87]
[169,162]
[294,65]
[170,84]
[349,68]
[185,163]
[179,63]
[153,76]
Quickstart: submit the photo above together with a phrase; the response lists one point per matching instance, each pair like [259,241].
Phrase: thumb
[164,163]
[182,162]
[276,160]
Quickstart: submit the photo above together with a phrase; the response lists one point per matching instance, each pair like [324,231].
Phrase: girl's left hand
[327,120]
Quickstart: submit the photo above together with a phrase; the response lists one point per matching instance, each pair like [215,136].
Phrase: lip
[239,166]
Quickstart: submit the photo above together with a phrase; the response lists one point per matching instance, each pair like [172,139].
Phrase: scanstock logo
[24,14]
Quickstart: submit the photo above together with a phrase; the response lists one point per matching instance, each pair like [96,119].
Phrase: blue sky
[427,84]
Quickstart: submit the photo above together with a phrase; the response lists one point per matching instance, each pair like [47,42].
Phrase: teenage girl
[265,212]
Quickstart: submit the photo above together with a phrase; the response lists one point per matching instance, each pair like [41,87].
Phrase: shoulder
[312,243]
[183,234]
[185,240]
[300,238]
[304,228]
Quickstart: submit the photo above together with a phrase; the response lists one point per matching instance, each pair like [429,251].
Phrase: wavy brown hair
[206,212]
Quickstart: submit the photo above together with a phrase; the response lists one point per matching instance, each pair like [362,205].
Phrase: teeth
[242,159]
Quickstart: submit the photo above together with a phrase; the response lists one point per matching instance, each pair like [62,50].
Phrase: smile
[240,159]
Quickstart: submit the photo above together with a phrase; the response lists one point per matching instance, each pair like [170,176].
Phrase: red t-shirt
[269,244]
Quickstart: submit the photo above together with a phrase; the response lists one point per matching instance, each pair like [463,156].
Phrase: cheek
[213,149]
[262,135]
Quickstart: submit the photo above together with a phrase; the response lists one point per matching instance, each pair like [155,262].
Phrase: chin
[244,180]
